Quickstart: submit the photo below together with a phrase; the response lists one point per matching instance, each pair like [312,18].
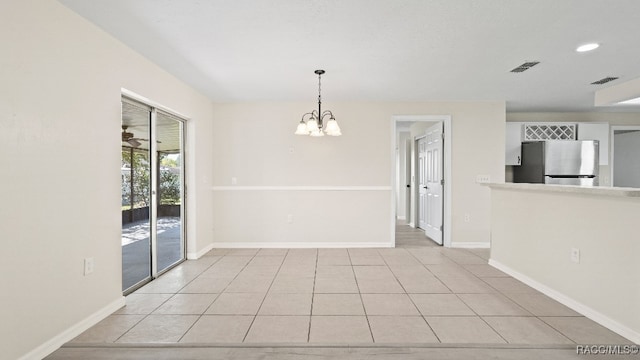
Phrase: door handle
[426,187]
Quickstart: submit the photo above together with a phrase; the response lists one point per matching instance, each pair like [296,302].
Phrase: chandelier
[314,124]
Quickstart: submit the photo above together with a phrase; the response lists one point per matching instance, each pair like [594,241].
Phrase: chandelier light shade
[313,124]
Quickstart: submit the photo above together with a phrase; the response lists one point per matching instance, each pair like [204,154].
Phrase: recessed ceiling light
[587,47]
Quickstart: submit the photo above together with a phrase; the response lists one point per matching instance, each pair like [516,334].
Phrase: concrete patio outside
[136,254]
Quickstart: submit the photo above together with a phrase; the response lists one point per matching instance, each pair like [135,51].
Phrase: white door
[422,183]
[433,183]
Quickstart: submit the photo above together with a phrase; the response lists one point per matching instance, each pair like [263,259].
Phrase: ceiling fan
[128,137]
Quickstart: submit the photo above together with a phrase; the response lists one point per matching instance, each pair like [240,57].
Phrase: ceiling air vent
[526,66]
[604,81]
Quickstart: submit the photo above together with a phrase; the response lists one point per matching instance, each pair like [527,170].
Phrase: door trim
[446,120]
[139,98]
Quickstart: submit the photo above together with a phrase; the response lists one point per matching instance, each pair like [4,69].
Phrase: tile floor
[415,293]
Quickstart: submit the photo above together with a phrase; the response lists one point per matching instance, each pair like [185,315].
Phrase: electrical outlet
[467,217]
[290,219]
[234,181]
[88,266]
[483,179]
[291,150]
[575,255]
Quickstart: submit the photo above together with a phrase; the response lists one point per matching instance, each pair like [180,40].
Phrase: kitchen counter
[569,189]
[578,245]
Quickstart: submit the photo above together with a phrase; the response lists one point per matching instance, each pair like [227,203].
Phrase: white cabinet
[513,143]
[514,135]
[596,131]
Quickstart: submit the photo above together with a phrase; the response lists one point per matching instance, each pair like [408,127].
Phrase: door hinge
[442,182]
[441,228]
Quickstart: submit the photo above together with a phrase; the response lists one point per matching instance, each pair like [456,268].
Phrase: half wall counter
[578,245]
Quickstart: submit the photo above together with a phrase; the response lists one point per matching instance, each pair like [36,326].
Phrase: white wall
[626,159]
[60,145]
[253,143]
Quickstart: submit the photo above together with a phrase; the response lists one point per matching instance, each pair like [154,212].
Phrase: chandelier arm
[324,114]
[303,115]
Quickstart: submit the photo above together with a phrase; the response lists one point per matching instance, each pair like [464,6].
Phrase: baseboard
[413,225]
[585,310]
[299,245]
[401,218]
[57,341]
[300,188]
[199,254]
[471,245]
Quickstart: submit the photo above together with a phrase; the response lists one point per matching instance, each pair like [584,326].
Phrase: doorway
[625,163]
[153,235]
[428,146]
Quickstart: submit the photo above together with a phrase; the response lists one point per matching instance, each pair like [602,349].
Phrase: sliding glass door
[169,204]
[136,195]
[152,193]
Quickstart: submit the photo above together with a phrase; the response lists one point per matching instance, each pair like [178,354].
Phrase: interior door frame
[612,148]
[446,163]
[416,188]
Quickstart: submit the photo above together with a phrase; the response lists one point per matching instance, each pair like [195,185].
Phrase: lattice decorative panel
[534,132]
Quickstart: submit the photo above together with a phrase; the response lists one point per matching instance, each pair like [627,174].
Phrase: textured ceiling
[382,50]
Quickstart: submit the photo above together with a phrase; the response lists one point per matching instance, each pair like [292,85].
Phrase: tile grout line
[411,299]
[225,288]
[472,309]
[434,275]
[265,294]
[313,295]
[492,287]
[464,302]
[364,308]
[214,300]
[481,317]
[558,330]
[221,292]
[156,308]
[202,272]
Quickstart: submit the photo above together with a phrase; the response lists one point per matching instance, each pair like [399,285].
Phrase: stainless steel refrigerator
[564,162]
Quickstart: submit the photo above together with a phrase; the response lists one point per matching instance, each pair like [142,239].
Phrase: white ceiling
[383,50]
